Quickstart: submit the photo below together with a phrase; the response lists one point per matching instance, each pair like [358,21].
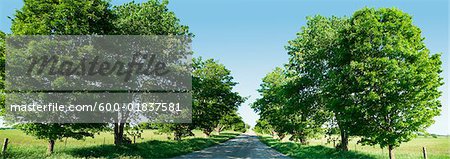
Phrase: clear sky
[249,36]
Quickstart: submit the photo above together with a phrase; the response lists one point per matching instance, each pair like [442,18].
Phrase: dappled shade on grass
[296,150]
[152,148]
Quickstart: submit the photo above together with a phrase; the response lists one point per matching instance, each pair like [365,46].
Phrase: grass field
[437,148]
[101,146]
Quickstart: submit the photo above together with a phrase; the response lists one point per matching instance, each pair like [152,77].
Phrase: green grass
[437,148]
[101,146]
[296,150]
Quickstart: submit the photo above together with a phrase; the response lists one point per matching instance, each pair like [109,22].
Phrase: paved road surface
[243,146]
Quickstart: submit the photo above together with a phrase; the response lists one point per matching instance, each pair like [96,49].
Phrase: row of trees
[369,75]
[214,103]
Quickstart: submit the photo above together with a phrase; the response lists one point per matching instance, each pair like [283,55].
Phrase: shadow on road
[244,146]
[150,149]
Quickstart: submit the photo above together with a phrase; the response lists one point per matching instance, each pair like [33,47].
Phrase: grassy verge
[295,150]
[438,148]
[152,146]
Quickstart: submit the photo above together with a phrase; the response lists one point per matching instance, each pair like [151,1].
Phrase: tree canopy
[147,18]
[213,98]
[65,17]
[397,77]
[290,105]
[372,71]
[62,18]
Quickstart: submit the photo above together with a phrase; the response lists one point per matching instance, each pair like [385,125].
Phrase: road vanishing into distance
[246,145]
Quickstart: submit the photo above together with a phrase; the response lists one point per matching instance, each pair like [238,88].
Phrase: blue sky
[249,36]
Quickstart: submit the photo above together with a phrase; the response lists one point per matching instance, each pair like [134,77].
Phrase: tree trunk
[303,140]
[302,137]
[391,152]
[219,129]
[344,140]
[177,135]
[281,136]
[273,133]
[51,146]
[118,133]
[207,132]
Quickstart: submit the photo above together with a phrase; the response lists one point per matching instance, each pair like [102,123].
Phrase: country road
[243,146]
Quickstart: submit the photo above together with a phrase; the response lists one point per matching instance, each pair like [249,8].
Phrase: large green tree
[304,108]
[315,55]
[272,105]
[373,71]
[213,94]
[213,98]
[64,17]
[230,121]
[263,127]
[147,18]
[291,105]
[397,76]
[212,83]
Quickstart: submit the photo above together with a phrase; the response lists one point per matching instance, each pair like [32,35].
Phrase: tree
[148,18]
[397,77]
[263,127]
[240,126]
[134,132]
[291,105]
[212,94]
[305,108]
[373,71]
[62,18]
[315,56]
[213,98]
[178,130]
[231,121]
[271,106]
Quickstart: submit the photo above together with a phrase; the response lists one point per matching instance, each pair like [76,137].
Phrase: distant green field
[437,148]
[152,145]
